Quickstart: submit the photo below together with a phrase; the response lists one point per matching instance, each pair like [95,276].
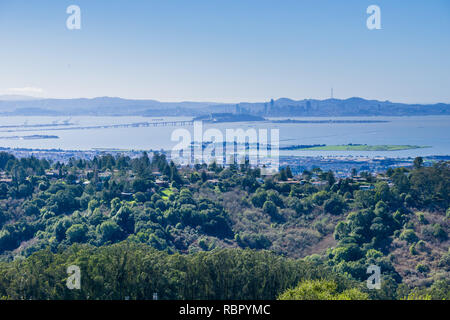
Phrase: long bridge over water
[108,126]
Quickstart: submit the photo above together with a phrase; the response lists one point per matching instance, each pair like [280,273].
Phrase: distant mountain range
[109,106]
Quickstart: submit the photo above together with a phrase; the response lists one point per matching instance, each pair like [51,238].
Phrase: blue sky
[228,51]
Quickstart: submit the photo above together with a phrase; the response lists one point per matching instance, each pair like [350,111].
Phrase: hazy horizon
[229,51]
[12,97]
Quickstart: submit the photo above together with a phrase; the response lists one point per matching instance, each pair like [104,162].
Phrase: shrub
[416,296]
[77,233]
[110,231]
[439,232]
[444,262]
[422,268]
[259,198]
[421,217]
[409,236]
[421,245]
[271,209]
[140,197]
[412,249]
[335,205]
[321,290]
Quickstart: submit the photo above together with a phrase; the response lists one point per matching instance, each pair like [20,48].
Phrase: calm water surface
[430,131]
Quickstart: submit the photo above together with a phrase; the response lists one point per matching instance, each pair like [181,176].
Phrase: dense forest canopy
[208,232]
